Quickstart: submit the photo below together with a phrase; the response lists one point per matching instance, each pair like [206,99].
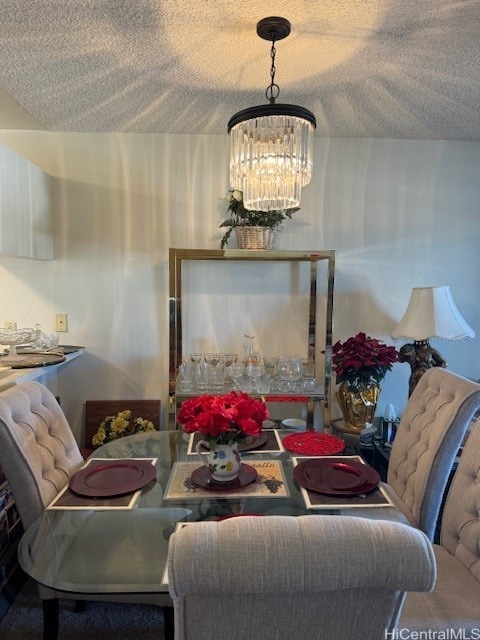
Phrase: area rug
[99,621]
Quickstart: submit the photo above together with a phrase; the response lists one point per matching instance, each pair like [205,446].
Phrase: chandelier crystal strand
[271,146]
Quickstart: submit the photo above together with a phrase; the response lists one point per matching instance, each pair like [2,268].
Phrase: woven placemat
[270,483]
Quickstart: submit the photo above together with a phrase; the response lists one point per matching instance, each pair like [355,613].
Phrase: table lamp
[431,313]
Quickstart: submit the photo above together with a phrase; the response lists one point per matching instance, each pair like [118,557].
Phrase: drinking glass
[230,358]
[201,376]
[264,383]
[269,363]
[245,384]
[308,368]
[186,375]
[309,382]
[290,370]
[235,370]
[255,371]
[213,358]
[216,377]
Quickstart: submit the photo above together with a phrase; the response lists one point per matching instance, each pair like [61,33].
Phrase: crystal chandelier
[271,145]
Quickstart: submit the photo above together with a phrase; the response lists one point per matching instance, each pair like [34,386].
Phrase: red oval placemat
[312,443]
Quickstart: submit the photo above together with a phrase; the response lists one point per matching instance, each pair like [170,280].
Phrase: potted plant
[360,364]
[254,229]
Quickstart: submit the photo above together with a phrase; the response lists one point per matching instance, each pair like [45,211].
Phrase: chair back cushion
[284,577]
[429,435]
[454,605]
[460,532]
[38,451]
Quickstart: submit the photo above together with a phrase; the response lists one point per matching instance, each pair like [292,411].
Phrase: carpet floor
[99,621]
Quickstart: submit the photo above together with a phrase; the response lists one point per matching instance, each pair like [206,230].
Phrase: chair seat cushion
[453,604]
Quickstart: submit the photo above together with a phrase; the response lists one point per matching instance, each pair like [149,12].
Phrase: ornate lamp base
[421,357]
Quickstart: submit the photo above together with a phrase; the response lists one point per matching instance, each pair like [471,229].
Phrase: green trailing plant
[242,217]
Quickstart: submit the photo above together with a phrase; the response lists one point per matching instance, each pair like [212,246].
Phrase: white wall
[25,207]
[398,213]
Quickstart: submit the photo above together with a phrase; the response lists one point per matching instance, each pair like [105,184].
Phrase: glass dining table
[123,550]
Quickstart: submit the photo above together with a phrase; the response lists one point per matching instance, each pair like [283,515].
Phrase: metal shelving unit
[177,259]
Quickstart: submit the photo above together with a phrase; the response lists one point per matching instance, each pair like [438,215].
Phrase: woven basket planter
[254,237]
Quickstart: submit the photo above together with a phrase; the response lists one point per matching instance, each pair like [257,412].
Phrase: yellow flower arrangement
[114,427]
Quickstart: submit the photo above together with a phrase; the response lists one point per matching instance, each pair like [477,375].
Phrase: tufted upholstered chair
[436,418]
[455,601]
[39,454]
[291,578]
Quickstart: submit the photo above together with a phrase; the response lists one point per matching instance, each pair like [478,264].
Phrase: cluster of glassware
[220,372]
[35,339]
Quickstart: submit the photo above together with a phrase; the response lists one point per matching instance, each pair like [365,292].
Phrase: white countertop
[10,377]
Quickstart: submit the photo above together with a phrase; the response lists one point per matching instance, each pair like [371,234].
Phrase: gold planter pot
[358,407]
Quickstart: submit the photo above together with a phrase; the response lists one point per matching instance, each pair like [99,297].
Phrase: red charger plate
[336,477]
[104,478]
[202,477]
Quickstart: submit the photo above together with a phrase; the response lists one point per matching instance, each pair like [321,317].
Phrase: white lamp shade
[432,313]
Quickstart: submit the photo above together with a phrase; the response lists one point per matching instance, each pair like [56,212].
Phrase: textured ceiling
[366,68]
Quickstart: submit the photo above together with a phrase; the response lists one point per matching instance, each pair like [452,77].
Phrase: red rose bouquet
[362,361]
[223,419]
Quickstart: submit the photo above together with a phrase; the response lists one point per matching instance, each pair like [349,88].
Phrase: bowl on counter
[294,424]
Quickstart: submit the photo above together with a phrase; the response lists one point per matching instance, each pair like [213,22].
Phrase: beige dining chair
[292,578]
[454,604]
[39,454]
[436,418]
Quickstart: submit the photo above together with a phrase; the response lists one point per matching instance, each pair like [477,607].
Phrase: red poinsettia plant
[223,419]
[362,361]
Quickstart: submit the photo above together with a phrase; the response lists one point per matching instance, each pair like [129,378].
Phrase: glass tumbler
[216,377]
[186,375]
[255,371]
[264,383]
[235,370]
[201,377]
[245,384]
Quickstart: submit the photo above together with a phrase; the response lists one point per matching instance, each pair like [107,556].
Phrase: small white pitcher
[223,461]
